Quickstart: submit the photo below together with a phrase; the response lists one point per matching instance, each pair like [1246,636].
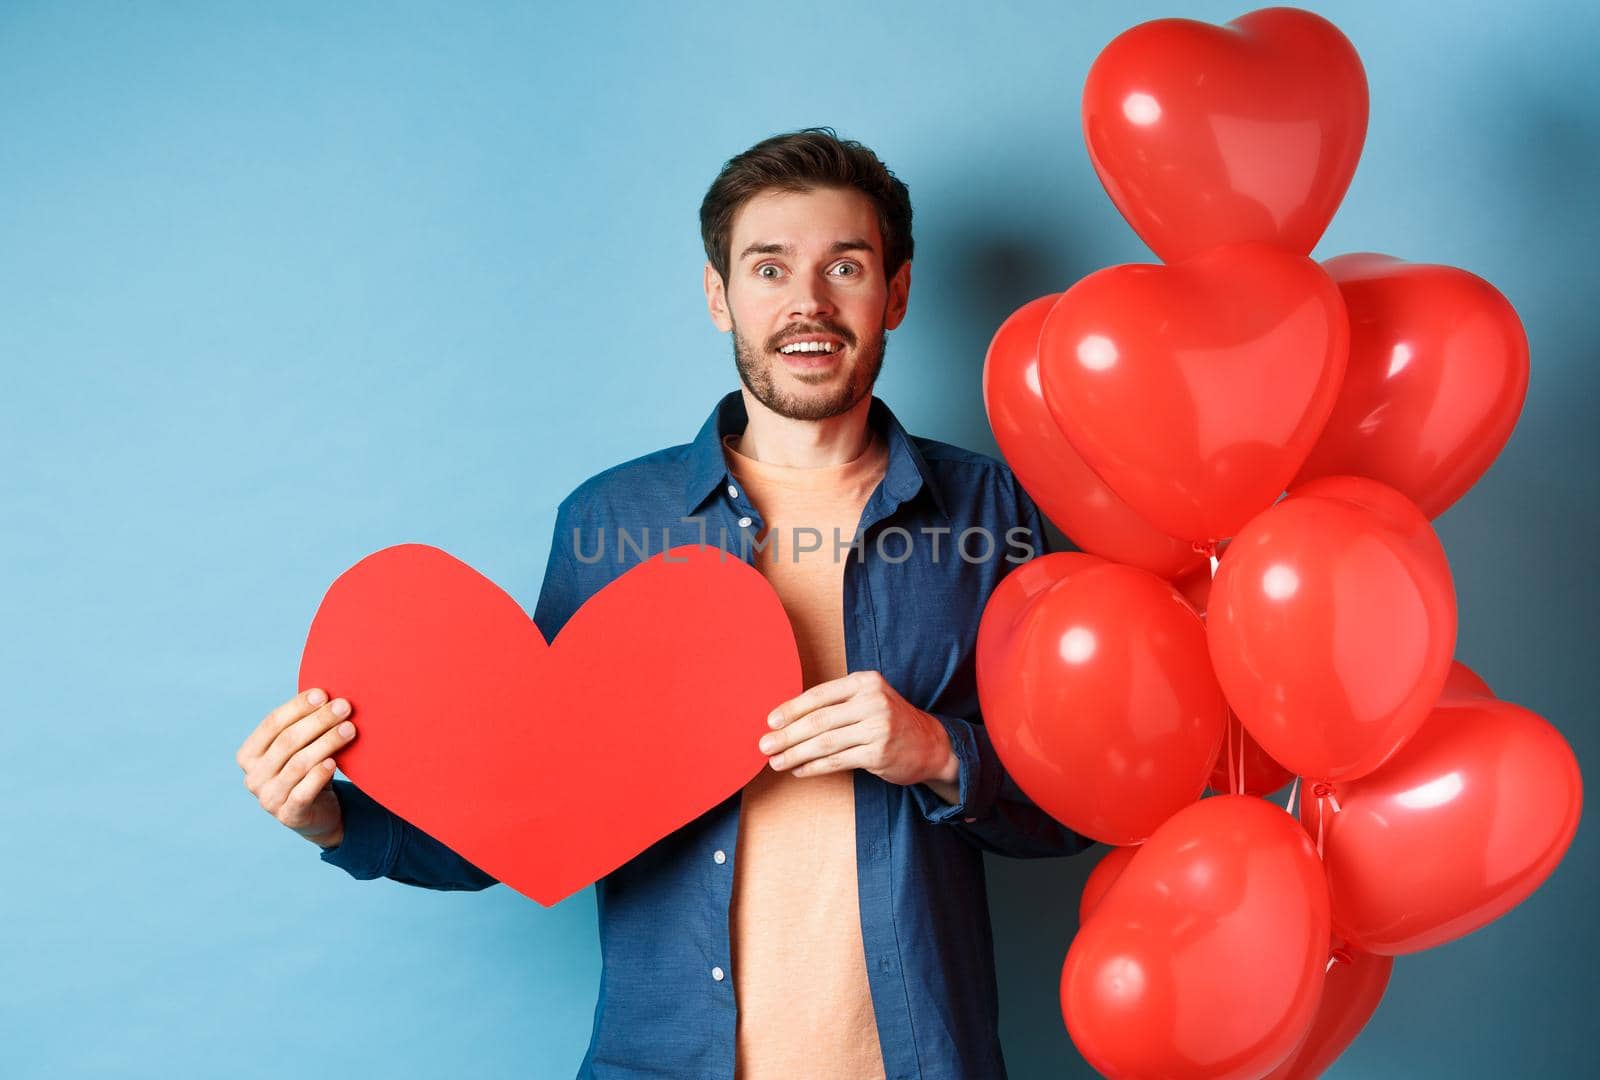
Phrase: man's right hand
[288,764]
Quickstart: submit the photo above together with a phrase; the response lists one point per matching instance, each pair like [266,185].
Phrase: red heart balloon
[1458,828]
[1066,489]
[1331,626]
[1207,135]
[1102,877]
[1098,694]
[1195,391]
[1350,995]
[1437,375]
[1206,958]
[550,766]
[1195,586]
[1253,771]
[1464,682]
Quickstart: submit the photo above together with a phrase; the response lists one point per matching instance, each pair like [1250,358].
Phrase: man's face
[806,300]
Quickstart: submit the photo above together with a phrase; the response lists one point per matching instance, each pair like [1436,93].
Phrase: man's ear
[899,296]
[717,299]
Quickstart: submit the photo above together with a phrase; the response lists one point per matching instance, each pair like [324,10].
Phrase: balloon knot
[1341,956]
[1208,548]
[1325,791]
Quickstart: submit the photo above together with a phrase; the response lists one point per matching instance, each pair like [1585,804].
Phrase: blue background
[284,284]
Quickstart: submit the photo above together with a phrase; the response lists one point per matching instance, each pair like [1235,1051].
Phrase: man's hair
[801,161]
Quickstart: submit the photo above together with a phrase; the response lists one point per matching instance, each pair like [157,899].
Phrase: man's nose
[810,298]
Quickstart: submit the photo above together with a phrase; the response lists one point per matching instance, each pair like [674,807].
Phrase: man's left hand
[861,722]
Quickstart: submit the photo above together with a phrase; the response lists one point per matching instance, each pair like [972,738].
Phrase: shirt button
[719,857]
[744,523]
[733,492]
[716,973]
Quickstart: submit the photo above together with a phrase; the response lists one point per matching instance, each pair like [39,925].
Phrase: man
[829,920]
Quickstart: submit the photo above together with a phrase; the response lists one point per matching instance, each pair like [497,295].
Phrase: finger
[305,761]
[825,693]
[813,724]
[275,721]
[854,757]
[296,807]
[300,734]
[829,742]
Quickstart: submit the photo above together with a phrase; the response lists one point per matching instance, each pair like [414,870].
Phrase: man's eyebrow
[784,249]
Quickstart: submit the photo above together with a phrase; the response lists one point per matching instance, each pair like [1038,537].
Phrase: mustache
[799,329]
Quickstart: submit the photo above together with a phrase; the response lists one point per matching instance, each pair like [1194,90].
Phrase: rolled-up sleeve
[379,843]
[993,812]
[367,850]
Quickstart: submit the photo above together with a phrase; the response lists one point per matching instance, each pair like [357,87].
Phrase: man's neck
[804,444]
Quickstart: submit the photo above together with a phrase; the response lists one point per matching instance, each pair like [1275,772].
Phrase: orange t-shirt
[799,965]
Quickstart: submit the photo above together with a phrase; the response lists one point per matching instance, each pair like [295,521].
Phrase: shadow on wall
[1002,227]
[1034,906]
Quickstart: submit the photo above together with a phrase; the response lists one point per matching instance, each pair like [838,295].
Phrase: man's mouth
[811,345]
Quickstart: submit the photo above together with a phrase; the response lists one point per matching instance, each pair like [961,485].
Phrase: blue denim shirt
[912,600]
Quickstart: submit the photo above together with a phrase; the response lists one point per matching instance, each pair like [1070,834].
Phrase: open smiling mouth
[810,348]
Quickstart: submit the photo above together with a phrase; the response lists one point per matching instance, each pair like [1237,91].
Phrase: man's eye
[846,269]
[761,271]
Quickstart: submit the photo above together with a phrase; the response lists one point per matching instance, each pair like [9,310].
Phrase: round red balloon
[1060,481]
[1010,600]
[1350,995]
[1195,391]
[1331,625]
[1437,375]
[1459,827]
[1098,694]
[1207,957]
[1206,135]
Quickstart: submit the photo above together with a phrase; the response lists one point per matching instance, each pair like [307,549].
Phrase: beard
[756,366]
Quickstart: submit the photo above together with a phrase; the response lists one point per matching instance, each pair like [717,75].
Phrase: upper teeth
[808,346]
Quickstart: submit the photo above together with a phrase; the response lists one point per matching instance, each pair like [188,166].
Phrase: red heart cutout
[1207,135]
[1456,829]
[1195,391]
[549,766]
[1437,375]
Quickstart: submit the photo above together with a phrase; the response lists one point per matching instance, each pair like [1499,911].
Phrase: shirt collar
[906,474]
